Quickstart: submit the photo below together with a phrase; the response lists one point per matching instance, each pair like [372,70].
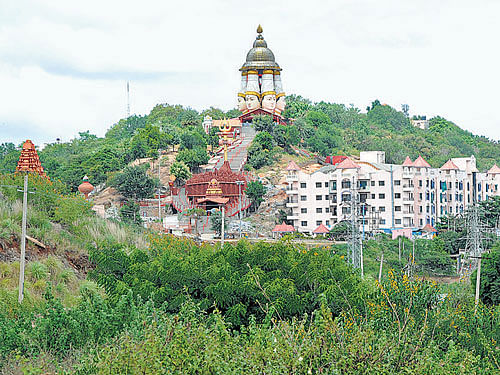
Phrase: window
[382,221]
[319,197]
[318,184]
[303,185]
[397,208]
[326,184]
[420,196]
[346,210]
[303,223]
[303,210]
[327,223]
[381,196]
[318,222]
[420,183]
[420,209]
[303,198]
[381,208]
[421,222]
[381,183]
[327,209]
[334,185]
[346,184]
[397,182]
[319,210]
[397,221]
[397,195]
[373,196]
[372,183]
[326,197]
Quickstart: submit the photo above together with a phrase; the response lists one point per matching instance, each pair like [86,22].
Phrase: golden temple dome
[260,57]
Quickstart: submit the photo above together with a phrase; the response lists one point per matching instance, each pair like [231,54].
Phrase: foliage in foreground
[241,280]
[404,326]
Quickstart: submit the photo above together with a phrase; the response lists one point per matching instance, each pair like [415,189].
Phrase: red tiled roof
[347,163]
[283,228]
[449,165]
[494,170]
[335,159]
[421,163]
[321,229]
[407,162]
[292,166]
[428,228]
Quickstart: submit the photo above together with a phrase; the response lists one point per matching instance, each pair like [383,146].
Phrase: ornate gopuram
[29,161]
[261,91]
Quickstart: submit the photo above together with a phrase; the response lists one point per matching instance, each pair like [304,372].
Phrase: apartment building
[389,196]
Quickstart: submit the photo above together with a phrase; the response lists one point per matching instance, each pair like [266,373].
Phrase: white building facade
[387,196]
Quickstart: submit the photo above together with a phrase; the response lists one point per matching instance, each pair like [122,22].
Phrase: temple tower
[29,160]
[261,90]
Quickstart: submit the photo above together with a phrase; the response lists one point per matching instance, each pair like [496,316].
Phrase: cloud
[63,68]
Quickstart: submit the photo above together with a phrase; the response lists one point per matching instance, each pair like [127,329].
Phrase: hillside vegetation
[323,128]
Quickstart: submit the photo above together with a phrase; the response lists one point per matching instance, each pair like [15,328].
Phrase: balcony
[292,191]
[292,204]
[408,187]
[292,177]
[407,199]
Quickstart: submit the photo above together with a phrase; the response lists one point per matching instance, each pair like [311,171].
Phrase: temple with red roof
[29,160]
[215,188]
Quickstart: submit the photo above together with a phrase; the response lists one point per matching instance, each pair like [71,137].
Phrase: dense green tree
[190,139]
[193,158]
[134,183]
[9,156]
[255,191]
[180,171]
[263,123]
[213,138]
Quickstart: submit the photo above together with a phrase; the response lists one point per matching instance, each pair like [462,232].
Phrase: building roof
[321,229]
[421,163]
[29,160]
[292,166]
[347,163]
[283,228]
[429,228]
[449,165]
[232,122]
[494,170]
[407,162]
[335,159]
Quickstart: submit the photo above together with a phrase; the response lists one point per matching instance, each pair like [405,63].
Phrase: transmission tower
[355,248]
[478,236]
[128,100]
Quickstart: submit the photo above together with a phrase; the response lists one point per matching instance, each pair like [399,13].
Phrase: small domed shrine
[261,91]
[86,187]
[29,160]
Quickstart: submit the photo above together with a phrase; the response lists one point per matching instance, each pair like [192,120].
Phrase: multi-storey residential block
[388,196]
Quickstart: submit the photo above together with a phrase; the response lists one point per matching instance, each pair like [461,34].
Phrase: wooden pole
[380,269]
[478,282]
[23,240]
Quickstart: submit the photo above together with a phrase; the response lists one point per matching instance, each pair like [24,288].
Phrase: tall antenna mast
[128,100]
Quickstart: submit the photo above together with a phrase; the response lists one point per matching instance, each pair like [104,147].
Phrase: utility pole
[159,187]
[23,240]
[239,183]
[355,243]
[380,268]
[222,229]
[478,282]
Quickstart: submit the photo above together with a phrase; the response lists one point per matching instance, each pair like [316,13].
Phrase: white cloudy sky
[64,64]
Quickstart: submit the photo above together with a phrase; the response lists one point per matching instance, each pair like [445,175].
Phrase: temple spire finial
[259,29]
